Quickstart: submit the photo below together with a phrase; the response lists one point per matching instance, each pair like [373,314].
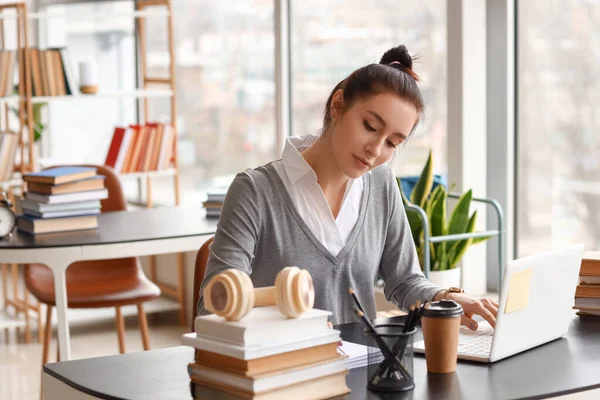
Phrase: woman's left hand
[483,306]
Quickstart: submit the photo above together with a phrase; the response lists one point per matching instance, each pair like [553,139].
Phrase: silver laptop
[536,307]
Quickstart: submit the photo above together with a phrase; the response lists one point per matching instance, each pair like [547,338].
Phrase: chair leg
[27,316]
[38,310]
[4,285]
[143,326]
[48,336]
[120,330]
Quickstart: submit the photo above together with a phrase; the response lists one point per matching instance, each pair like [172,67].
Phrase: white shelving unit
[9,99]
[95,22]
[136,94]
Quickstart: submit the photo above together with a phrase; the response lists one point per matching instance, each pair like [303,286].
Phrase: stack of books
[587,294]
[266,356]
[214,203]
[61,199]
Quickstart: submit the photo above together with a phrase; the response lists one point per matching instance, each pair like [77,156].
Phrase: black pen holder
[390,371]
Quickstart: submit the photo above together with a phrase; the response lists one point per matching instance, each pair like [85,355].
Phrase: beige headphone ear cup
[239,294]
[304,291]
[284,291]
[243,299]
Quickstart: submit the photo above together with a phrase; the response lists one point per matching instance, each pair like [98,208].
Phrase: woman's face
[365,135]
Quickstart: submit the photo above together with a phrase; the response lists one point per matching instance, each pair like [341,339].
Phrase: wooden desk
[563,366]
[119,234]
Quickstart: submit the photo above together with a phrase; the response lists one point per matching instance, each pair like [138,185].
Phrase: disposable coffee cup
[441,326]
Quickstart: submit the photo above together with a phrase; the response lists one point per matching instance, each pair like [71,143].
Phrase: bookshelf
[149,88]
[138,94]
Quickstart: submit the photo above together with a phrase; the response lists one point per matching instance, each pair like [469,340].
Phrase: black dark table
[123,227]
[566,365]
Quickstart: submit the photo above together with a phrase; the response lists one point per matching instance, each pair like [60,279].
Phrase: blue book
[59,175]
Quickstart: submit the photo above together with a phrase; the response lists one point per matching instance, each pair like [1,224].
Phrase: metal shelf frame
[428,239]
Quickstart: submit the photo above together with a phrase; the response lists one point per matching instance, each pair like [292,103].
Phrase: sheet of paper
[358,354]
[518,291]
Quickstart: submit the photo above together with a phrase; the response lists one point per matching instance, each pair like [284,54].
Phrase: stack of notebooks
[61,199]
[587,294]
[266,356]
[214,203]
[215,196]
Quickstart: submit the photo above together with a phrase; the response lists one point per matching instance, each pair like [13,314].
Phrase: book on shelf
[262,324]
[322,387]
[60,175]
[9,142]
[35,225]
[8,67]
[141,148]
[51,72]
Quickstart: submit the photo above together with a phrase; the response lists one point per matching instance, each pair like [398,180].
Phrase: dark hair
[393,74]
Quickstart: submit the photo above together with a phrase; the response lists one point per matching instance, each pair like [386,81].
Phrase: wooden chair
[101,283]
[199,271]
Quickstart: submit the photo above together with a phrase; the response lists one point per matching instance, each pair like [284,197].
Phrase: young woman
[331,204]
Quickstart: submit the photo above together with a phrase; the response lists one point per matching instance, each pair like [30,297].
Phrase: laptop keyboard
[479,346]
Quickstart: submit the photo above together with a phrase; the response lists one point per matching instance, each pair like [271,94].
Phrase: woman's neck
[329,174]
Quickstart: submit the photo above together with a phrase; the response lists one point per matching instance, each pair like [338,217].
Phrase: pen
[360,307]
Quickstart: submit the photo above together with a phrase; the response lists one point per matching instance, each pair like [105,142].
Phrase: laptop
[531,319]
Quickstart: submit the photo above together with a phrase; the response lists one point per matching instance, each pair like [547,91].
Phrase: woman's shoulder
[382,177]
[258,179]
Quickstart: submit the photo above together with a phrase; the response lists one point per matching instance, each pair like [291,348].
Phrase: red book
[115,145]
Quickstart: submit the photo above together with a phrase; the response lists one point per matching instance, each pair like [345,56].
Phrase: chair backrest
[199,271]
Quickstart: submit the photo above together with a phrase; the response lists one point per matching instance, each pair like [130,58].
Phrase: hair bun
[398,54]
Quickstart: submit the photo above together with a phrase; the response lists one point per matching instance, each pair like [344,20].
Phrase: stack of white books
[61,199]
[267,356]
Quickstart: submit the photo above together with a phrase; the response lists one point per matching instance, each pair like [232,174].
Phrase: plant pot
[445,279]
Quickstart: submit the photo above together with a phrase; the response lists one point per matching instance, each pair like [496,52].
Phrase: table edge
[78,387]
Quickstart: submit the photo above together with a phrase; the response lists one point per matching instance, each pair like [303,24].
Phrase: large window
[330,39]
[225,86]
[558,199]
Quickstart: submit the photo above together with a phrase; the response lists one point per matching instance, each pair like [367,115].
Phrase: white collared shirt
[300,180]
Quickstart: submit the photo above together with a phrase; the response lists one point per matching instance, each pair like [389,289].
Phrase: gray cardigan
[261,232]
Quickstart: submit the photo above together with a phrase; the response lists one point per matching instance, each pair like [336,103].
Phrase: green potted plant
[444,256]
[38,126]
